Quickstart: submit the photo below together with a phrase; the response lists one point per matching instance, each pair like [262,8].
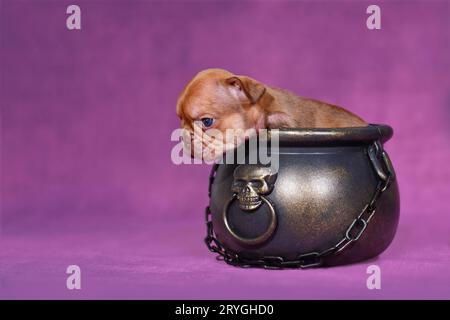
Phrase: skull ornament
[250,183]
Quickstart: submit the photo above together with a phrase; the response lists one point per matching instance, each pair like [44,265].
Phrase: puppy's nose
[188,140]
[192,152]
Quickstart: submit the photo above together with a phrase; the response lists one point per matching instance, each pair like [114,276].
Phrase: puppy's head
[216,100]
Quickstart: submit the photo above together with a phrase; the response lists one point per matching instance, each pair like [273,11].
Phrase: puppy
[217,99]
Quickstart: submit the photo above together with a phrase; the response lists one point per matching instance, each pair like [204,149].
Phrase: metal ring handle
[259,239]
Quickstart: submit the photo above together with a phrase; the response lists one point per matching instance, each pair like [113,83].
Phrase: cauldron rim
[320,136]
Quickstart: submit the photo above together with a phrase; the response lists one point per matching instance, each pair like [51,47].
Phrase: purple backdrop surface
[86,174]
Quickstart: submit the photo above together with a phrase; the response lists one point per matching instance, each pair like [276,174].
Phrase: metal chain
[311,259]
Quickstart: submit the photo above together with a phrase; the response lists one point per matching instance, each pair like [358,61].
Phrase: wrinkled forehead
[199,104]
[204,97]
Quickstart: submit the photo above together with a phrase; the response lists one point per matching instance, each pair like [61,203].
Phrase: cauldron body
[326,177]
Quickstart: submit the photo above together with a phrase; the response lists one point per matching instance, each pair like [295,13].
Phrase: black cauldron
[334,200]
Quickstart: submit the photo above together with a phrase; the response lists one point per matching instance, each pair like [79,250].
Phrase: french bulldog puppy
[220,100]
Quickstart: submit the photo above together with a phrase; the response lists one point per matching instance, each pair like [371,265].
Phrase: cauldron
[334,200]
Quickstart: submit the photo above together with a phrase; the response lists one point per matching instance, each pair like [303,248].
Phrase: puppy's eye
[207,122]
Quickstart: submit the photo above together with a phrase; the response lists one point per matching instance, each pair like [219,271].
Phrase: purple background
[85,142]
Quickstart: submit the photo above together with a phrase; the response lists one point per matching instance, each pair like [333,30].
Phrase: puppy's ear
[247,87]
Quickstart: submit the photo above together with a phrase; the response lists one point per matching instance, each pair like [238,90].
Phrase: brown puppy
[218,99]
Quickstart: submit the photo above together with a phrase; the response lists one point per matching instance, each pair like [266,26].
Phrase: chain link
[311,259]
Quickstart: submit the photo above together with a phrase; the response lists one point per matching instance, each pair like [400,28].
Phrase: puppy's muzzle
[188,141]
